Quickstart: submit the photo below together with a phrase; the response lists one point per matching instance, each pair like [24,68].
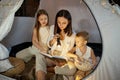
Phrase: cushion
[5,65]
[19,66]
[84,65]
[19,47]
[4,62]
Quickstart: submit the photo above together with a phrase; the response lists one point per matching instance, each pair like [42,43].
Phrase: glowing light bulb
[58,42]
[58,45]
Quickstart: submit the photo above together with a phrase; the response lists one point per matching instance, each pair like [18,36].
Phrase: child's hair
[83,34]
[40,12]
[67,15]
[37,24]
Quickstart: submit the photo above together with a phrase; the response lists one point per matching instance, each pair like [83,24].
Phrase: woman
[62,30]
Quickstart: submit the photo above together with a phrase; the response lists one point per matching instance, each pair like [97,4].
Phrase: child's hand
[79,60]
[59,63]
[51,52]
[55,37]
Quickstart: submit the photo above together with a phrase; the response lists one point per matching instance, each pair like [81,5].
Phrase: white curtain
[21,31]
[7,11]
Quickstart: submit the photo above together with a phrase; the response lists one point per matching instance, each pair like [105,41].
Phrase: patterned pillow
[5,65]
[84,65]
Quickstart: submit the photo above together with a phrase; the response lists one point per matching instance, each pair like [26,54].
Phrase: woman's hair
[37,23]
[83,34]
[66,15]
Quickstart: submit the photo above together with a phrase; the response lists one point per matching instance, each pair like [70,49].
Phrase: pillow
[19,47]
[5,65]
[4,53]
[84,65]
[4,62]
[2,77]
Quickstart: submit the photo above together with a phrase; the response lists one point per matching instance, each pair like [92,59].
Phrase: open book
[55,57]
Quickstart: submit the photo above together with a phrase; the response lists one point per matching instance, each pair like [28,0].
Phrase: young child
[41,31]
[84,57]
[39,38]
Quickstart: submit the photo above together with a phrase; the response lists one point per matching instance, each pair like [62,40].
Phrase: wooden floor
[29,72]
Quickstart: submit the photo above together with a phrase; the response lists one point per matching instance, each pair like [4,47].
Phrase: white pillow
[4,62]
[5,65]
[4,53]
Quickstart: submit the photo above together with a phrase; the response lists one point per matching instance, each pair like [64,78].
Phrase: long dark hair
[37,24]
[66,15]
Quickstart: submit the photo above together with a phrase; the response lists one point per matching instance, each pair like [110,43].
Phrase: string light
[115,7]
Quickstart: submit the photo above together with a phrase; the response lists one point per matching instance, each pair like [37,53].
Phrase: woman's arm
[52,38]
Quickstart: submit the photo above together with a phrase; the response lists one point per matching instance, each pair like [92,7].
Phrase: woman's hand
[54,39]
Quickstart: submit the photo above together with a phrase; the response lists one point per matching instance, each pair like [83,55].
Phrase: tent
[102,22]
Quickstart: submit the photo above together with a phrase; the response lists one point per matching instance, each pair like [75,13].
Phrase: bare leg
[40,75]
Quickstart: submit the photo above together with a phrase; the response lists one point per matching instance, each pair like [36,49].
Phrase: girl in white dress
[39,39]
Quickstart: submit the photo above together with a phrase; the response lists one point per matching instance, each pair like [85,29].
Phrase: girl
[39,39]
[41,31]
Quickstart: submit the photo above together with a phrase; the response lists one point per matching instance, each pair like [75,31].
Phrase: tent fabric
[109,24]
[7,11]
[81,16]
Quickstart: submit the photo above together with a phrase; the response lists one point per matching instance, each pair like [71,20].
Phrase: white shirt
[44,34]
[66,44]
[87,54]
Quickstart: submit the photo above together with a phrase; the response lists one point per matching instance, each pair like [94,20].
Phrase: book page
[47,55]
[55,57]
[58,57]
